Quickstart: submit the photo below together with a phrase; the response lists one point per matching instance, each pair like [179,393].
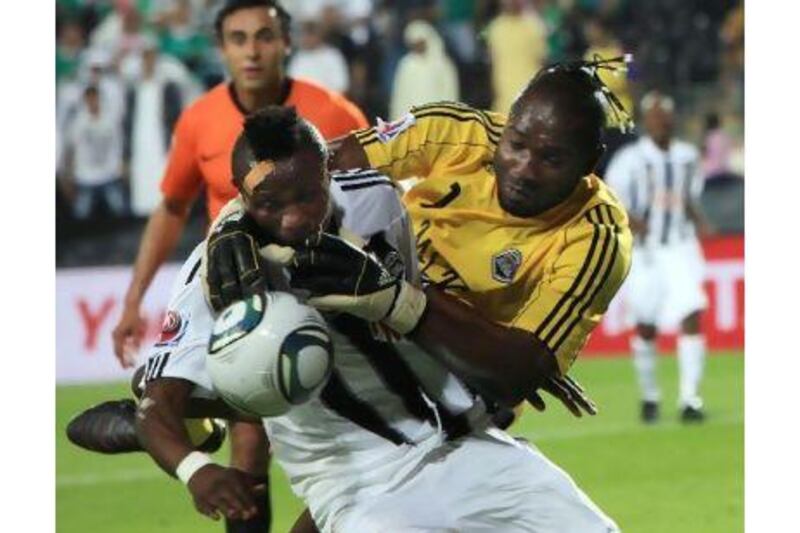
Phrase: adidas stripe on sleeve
[569,302]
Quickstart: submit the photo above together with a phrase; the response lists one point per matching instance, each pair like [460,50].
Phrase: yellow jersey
[553,275]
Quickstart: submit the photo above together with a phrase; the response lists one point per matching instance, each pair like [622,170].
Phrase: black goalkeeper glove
[232,262]
[343,278]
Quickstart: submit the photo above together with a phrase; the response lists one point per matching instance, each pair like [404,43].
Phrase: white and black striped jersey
[384,396]
[656,186]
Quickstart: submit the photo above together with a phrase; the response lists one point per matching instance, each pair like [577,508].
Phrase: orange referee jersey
[205,132]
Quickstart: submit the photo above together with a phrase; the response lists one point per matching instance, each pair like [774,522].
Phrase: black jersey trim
[364,185]
[356,175]
[611,230]
[194,270]
[337,397]
[607,234]
[544,326]
[491,134]
[399,378]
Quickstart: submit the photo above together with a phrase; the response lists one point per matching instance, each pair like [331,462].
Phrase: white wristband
[408,309]
[191,464]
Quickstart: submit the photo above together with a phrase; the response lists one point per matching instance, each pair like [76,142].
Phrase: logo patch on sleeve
[172,329]
[389,130]
[505,265]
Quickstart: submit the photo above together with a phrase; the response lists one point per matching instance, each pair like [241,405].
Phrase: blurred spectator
[318,61]
[180,36]
[425,74]
[119,33]
[603,44]
[94,167]
[68,50]
[732,34]
[458,26]
[717,147]
[96,70]
[518,49]
[732,37]
[159,88]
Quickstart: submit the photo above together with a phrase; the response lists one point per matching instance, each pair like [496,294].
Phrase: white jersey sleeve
[180,351]
[622,175]
[695,181]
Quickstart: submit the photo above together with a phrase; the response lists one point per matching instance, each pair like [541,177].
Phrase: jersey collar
[286,90]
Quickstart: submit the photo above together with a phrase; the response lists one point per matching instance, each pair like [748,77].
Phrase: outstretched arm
[505,363]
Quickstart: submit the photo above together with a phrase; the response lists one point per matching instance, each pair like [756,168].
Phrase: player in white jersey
[658,179]
[394,442]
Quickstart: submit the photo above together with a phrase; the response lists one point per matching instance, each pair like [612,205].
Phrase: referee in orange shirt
[253,38]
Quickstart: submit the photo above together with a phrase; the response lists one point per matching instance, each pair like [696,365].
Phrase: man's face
[539,160]
[658,122]
[253,47]
[293,201]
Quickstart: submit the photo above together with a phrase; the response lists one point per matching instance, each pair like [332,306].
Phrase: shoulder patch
[505,265]
[172,329]
[389,130]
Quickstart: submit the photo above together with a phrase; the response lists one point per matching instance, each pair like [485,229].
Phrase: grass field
[661,478]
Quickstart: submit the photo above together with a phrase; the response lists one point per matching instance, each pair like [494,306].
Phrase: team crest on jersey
[389,130]
[505,265]
[172,329]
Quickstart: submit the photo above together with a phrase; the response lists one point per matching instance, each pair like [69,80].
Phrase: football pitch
[661,478]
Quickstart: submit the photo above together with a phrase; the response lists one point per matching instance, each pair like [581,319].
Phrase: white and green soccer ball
[268,353]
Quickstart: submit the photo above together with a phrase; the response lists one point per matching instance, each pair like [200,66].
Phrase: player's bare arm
[159,422]
[506,364]
[347,153]
[161,235]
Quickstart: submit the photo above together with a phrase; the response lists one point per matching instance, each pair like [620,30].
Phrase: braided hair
[579,86]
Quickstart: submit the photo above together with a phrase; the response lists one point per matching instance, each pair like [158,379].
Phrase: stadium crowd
[126,68]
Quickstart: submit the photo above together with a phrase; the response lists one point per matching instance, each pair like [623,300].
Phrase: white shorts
[665,284]
[485,482]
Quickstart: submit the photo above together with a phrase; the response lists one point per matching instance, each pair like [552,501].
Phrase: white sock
[691,359]
[644,360]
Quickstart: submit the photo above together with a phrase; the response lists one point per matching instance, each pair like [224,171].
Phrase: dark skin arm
[347,154]
[161,235]
[159,424]
[504,363]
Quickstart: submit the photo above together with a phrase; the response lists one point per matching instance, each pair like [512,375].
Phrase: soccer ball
[268,353]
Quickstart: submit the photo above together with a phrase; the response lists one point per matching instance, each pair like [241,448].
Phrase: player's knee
[136,383]
[691,324]
[646,331]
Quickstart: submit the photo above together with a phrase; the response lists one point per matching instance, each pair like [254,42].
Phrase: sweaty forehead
[545,119]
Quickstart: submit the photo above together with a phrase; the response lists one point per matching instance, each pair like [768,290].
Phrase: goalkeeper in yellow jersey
[522,248]
[520,245]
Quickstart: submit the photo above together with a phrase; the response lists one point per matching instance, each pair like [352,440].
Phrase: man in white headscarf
[425,74]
